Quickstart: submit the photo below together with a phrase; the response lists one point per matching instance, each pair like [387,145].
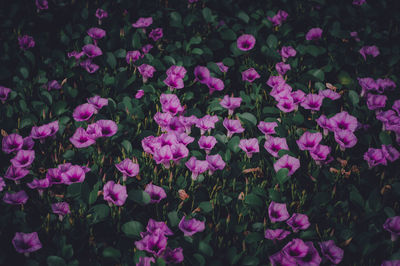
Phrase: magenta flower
[345,138]
[12,142]
[275,81]
[93,131]
[191,226]
[42,4]
[114,193]
[139,94]
[179,151]
[289,162]
[60,208]
[246,42]
[286,52]
[330,94]
[163,120]
[23,158]
[295,250]
[392,225]
[331,252]
[17,198]
[174,82]
[100,14]
[375,102]
[28,143]
[156,34]
[108,127]
[81,139]
[390,153]
[215,163]
[41,132]
[343,121]
[354,34]
[25,42]
[267,128]
[367,84]
[132,56]
[75,54]
[312,102]
[54,176]
[215,84]
[206,123]
[15,173]
[96,33]
[173,256]
[390,263]
[298,96]
[309,141]
[279,234]
[146,71]
[178,71]
[97,102]
[359,2]
[314,34]
[163,155]
[153,225]
[156,193]
[287,105]
[2,184]
[84,111]
[128,168]
[312,257]
[89,66]
[222,67]
[207,143]
[280,17]
[202,74]
[277,212]
[154,242]
[170,103]
[91,50]
[145,261]
[233,126]
[298,221]
[143,22]
[4,93]
[26,243]
[369,50]
[274,144]
[282,68]
[196,167]
[320,152]
[74,174]
[146,49]
[280,258]
[324,123]
[385,84]
[375,157]
[230,103]
[53,85]
[184,138]
[250,75]
[249,146]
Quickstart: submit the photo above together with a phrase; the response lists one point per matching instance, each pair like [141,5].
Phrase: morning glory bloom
[206,123]
[108,127]
[207,143]
[232,126]
[100,14]
[146,71]
[191,226]
[277,212]
[81,139]
[143,22]
[156,193]
[42,4]
[314,34]
[246,42]
[128,168]
[60,208]
[267,128]
[114,193]
[202,74]
[4,93]
[153,225]
[250,75]
[309,141]
[222,67]
[298,221]
[369,50]
[15,173]
[282,68]
[74,174]
[215,84]
[390,152]
[215,162]
[249,146]
[173,256]
[156,34]
[89,66]
[17,198]
[331,252]
[91,50]
[295,250]
[343,121]
[392,225]
[25,42]
[53,85]
[196,166]
[375,102]
[280,17]
[312,102]
[11,143]
[345,138]
[98,102]
[375,157]
[287,52]
[170,103]
[278,234]
[163,155]
[26,243]
[132,56]
[230,103]
[39,184]
[289,162]
[23,158]
[154,242]
[96,33]
[320,153]
[274,144]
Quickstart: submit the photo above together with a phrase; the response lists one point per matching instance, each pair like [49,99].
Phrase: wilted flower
[156,193]
[143,22]
[26,243]
[108,127]
[309,141]
[17,198]
[215,162]
[215,84]
[156,34]
[196,166]
[230,103]
[369,50]
[202,74]
[60,208]
[222,67]
[114,193]
[39,184]
[26,42]
[207,143]
[274,144]
[289,162]
[42,4]
[11,143]
[392,225]
[74,174]
[92,50]
[298,221]
[375,102]
[277,212]
[332,252]
[191,226]
[232,126]
[276,234]
[249,146]
[314,34]
[139,94]
[246,42]
[250,75]
[280,17]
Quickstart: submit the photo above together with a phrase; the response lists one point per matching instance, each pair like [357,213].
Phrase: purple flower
[280,17]
[196,167]
[74,174]
[97,102]
[222,67]
[60,208]
[207,143]
[154,243]
[75,54]
[332,252]
[84,111]
[146,71]
[249,146]
[11,143]
[54,176]
[309,141]
[391,263]
[230,103]
[28,143]
[206,123]
[81,139]
[108,127]
[279,234]
[287,51]
[132,56]
[174,82]
[26,243]
[41,132]
[343,121]
[139,94]
[170,103]
[367,84]
[295,250]
[277,212]
[330,94]
[2,184]
[173,256]
[42,4]
[163,155]
[191,226]
[274,144]
[93,131]
[178,71]
[202,74]
[114,193]
[289,162]
[250,75]
[215,84]
[359,2]
[390,152]
[26,42]
[89,66]
[246,42]
[275,81]
[4,93]
[375,102]
[179,151]
[385,84]
[215,162]
[312,257]
[298,221]
[354,34]
[100,13]
[320,152]
[17,198]
[369,50]
[233,126]
[375,157]
[392,225]
[15,173]
[314,34]
[298,96]
[92,50]
[280,258]
[156,193]
[53,85]
[282,68]
[345,138]
[146,49]
[128,168]
[23,158]
[143,22]
[145,261]
[287,105]
[96,33]
[153,225]
[267,128]
[156,34]
[312,102]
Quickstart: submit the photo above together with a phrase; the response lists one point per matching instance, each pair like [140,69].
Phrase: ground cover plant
[199,132]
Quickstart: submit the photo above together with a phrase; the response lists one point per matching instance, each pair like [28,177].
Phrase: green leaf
[160,262]
[55,261]
[355,197]
[385,138]
[139,196]
[110,59]
[206,249]
[173,218]
[206,206]
[132,228]
[24,72]
[248,117]
[127,145]
[207,14]
[317,73]
[233,144]
[298,119]
[253,200]
[354,98]
[314,50]
[99,212]
[60,108]
[197,51]
[112,253]
[200,259]
[250,260]
[243,16]
[176,20]
[47,96]
[272,41]
[120,53]
[228,35]
[282,175]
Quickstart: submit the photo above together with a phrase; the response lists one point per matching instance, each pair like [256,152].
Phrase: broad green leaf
[132,228]
[282,175]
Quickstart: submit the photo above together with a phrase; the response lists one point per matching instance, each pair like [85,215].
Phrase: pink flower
[81,139]
[128,168]
[26,243]
[156,193]
[230,103]
[280,17]
[146,71]
[250,75]
[98,102]
[139,94]
[390,153]
[249,146]
[298,96]
[156,34]
[267,128]
[206,123]
[215,162]
[282,68]
[100,13]
[143,22]
[25,42]
[320,153]
[23,158]
[60,208]
[15,173]
[42,4]
[298,221]
[93,131]
[233,126]
[92,51]
[170,103]
[375,157]
[309,141]
[4,93]
[39,184]
[343,121]
[202,74]
[74,174]
[96,33]
[287,51]
[375,102]
[17,198]
[163,155]
[279,234]
[332,252]
[84,112]
[312,102]
[132,56]
[314,34]
[222,67]
[330,94]
[11,143]
[289,162]
[174,82]
[369,50]
[108,127]
[277,212]
[207,143]
[274,144]
[215,84]
[114,193]
[191,226]
[89,66]
[359,2]
[246,42]
[345,138]
[196,167]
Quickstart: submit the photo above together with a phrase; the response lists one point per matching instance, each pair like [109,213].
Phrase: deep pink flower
[53,85]
[139,94]
[196,167]
[163,120]
[222,67]
[277,212]
[312,257]
[15,173]
[298,96]
[367,84]
[392,225]
[390,153]
[207,143]
[163,155]
[250,75]
[312,102]
[345,138]
[249,146]
[184,138]
[330,94]
[289,162]
[4,93]
[2,184]
[385,84]
[343,121]
[60,208]
[170,103]
[279,234]
[206,123]
[143,22]
[75,54]
[17,198]
[230,103]
[153,225]
[267,128]
[108,127]
[74,174]
[39,184]
[84,112]
[26,243]
[309,141]
[232,126]
[274,144]
[42,4]
[89,66]
[280,258]
[359,2]
[375,102]
[25,42]
[298,221]
[369,50]
[215,84]
[375,157]
[280,17]
[28,143]
[178,71]
[146,49]
[81,139]
[202,74]
[93,131]
[215,162]
[156,34]
[132,56]
[295,250]
[179,151]
[146,71]
[114,193]
[156,193]
[191,226]
[24,158]
[174,82]
[98,102]
[100,13]
[282,68]
[173,256]
[332,252]
[246,42]
[354,34]
[287,51]
[96,33]
[154,242]
[128,168]
[320,152]
[40,132]
[275,81]
[314,34]
[11,143]
[91,50]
